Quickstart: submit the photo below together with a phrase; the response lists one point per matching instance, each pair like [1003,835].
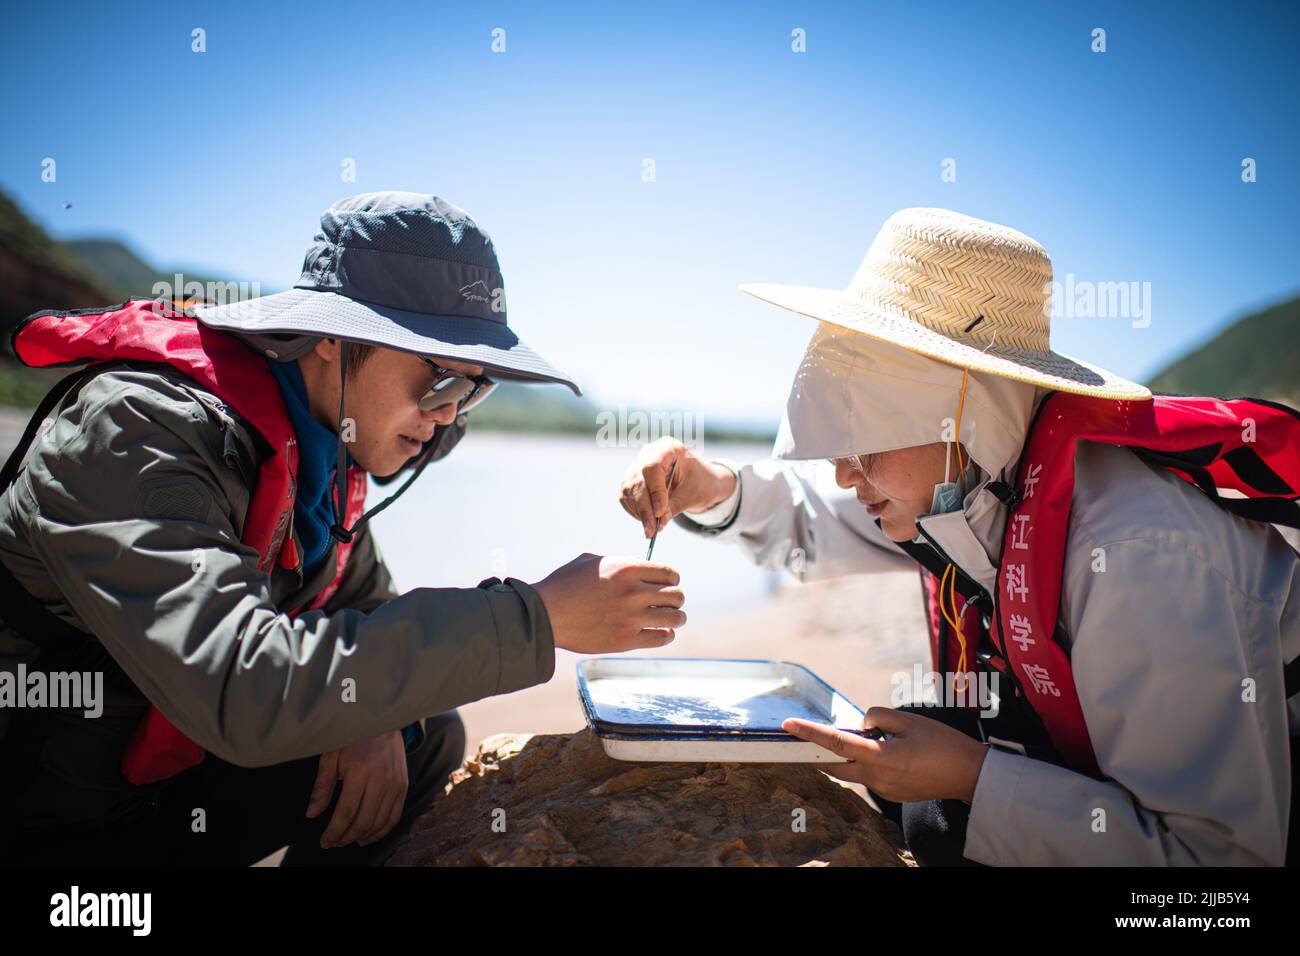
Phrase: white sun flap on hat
[854,394]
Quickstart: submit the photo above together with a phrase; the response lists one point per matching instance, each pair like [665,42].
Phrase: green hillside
[516,406]
[1258,356]
[27,243]
[522,407]
[118,264]
[36,272]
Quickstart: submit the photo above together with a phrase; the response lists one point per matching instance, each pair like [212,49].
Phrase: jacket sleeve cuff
[525,643]
[722,516]
[724,511]
[989,827]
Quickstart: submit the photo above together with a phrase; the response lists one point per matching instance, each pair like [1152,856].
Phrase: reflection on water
[519,505]
[754,703]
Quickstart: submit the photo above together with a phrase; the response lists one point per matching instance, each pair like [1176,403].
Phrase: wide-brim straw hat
[961,290]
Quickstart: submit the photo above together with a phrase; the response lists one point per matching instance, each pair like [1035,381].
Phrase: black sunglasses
[450,386]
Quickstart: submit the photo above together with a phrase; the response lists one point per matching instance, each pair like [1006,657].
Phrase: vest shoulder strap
[1245,446]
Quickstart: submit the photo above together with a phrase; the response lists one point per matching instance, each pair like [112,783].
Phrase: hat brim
[315,312]
[1046,368]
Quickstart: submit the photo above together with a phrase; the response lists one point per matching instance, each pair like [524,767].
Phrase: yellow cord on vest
[954,621]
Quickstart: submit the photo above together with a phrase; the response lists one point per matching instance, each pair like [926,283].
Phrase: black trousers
[250,813]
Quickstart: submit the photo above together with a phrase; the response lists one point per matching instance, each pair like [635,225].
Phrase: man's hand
[697,484]
[374,790]
[923,760]
[600,605]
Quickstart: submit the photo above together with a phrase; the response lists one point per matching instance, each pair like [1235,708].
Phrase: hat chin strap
[340,533]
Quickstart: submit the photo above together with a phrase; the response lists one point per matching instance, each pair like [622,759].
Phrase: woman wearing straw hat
[1079,550]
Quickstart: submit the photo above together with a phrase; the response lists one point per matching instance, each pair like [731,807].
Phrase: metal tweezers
[655,537]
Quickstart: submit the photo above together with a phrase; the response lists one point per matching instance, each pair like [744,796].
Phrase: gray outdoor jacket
[125,523]
[1193,601]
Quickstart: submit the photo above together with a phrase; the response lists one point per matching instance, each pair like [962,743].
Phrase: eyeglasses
[452,386]
[855,462]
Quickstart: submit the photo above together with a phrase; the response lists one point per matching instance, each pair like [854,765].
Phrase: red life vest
[1247,447]
[148,331]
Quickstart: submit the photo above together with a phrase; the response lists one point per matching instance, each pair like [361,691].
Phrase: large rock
[557,800]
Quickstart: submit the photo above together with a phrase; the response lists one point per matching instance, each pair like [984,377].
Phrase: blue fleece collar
[313,510]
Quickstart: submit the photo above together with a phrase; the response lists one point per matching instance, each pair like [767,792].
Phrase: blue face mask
[948,495]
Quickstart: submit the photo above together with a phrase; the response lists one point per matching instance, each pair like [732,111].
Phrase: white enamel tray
[707,710]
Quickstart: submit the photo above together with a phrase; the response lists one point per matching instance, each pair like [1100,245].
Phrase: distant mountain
[535,407]
[36,272]
[122,269]
[39,273]
[125,271]
[1258,355]
[520,406]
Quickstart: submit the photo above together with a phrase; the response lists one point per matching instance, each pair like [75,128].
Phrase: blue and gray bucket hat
[402,271]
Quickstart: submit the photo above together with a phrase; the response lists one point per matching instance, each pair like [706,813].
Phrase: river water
[521,505]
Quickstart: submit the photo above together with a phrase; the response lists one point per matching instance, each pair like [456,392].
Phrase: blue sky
[770,165]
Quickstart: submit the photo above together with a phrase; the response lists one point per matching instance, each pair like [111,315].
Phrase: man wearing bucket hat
[1109,561]
[186,519]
